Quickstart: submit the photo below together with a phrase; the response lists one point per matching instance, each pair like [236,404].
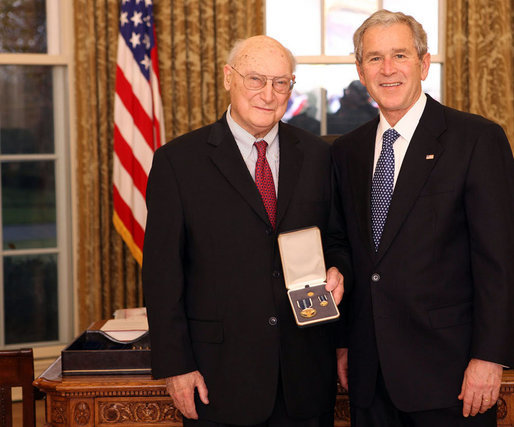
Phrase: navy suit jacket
[440,289]
[212,275]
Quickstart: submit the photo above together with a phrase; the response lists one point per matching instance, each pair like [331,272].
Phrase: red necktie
[264,181]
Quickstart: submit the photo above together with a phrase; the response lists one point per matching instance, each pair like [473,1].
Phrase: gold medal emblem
[323,303]
[310,294]
[308,312]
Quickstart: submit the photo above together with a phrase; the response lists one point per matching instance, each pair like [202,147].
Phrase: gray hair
[387,18]
[239,45]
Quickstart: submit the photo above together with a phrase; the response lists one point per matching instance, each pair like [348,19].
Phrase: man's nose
[388,66]
[267,91]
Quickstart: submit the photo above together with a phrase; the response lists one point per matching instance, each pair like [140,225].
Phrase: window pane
[296,24]
[30,298]
[28,205]
[347,105]
[425,12]
[342,18]
[23,26]
[26,121]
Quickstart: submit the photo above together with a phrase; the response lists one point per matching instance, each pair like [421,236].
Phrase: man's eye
[282,82]
[400,56]
[374,59]
[254,78]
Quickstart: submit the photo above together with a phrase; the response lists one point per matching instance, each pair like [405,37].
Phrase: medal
[310,294]
[323,300]
[306,306]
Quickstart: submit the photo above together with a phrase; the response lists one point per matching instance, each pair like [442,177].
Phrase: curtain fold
[479,65]
[193,38]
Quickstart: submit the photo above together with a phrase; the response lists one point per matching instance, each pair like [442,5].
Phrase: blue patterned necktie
[382,186]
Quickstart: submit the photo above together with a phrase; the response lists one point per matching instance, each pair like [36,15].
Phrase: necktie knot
[261,147]
[389,137]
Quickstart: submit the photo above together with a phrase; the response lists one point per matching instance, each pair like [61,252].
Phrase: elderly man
[222,329]
[428,195]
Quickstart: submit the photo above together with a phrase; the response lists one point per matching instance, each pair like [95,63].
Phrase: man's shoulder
[305,138]
[356,136]
[458,119]
[194,140]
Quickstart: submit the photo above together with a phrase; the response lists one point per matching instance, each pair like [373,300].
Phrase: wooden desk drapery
[139,400]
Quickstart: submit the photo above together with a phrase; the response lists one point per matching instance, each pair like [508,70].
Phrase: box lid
[301,253]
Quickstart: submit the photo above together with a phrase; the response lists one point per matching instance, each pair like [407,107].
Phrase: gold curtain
[193,37]
[479,65]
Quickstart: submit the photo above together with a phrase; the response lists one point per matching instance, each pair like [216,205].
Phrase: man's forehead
[388,39]
[261,51]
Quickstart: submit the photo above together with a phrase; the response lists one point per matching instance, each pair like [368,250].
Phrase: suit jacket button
[276,274]
[375,277]
[272,320]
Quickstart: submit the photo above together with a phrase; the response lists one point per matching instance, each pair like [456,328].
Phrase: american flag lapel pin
[429,157]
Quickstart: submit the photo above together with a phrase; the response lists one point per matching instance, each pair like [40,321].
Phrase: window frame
[59,56]
[323,59]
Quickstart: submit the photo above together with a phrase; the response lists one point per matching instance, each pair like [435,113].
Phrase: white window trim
[59,30]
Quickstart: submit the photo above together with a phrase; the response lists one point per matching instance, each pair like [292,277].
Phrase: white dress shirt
[405,127]
[245,141]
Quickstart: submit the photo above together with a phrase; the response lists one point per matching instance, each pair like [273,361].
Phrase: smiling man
[428,197]
[221,326]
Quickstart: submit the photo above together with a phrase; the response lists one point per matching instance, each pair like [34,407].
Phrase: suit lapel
[422,155]
[291,159]
[227,158]
[361,171]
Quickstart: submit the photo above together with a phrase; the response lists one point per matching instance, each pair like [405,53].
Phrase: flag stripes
[138,120]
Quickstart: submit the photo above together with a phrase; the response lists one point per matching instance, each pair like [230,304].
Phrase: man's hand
[335,283]
[181,388]
[342,366]
[480,387]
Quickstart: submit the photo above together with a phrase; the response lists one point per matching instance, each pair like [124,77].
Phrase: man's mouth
[390,84]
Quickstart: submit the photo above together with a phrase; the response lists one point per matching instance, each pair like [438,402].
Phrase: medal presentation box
[94,352]
[303,264]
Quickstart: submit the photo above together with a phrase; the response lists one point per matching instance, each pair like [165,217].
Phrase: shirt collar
[245,140]
[408,123]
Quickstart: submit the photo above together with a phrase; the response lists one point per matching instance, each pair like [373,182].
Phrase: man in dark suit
[429,212]
[222,329]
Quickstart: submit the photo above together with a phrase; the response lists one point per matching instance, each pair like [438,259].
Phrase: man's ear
[227,76]
[425,65]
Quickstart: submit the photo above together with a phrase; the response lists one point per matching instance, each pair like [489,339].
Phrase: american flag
[138,120]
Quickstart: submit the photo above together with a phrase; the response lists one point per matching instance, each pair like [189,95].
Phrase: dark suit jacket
[440,289]
[213,281]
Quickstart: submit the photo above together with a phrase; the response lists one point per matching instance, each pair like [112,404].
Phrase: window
[35,262]
[320,35]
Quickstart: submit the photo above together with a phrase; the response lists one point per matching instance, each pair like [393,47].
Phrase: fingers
[480,387]
[342,366]
[181,388]
[335,284]
[203,392]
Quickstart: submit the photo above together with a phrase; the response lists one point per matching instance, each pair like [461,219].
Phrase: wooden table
[139,400]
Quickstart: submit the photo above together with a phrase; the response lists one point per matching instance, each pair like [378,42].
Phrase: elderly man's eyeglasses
[255,81]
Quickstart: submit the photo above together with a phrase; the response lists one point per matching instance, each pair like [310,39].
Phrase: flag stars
[136,18]
[123,18]
[148,3]
[135,40]
[146,41]
[147,20]
[146,62]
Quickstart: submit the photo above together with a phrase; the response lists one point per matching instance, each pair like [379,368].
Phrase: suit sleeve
[163,272]
[489,204]
[338,253]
